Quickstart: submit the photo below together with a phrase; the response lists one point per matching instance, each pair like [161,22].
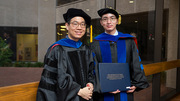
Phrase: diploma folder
[113,76]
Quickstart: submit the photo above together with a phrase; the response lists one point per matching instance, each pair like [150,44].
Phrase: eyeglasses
[76,24]
[112,19]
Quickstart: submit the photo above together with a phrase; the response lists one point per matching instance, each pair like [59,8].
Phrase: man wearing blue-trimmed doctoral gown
[68,73]
[115,47]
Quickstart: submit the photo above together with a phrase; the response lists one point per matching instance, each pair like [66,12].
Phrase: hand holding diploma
[132,89]
[115,92]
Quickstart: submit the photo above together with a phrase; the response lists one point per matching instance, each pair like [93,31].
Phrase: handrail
[154,68]
[28,91]
[21,92]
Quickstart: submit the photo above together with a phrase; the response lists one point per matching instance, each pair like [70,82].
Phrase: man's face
[76,28]
[109,22]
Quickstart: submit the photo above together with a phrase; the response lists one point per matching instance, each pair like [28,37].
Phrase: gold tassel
[91,34]
[119,20]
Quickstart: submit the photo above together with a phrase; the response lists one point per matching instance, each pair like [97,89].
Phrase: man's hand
[85,93]
[115,92]
[132,89]
[91,86]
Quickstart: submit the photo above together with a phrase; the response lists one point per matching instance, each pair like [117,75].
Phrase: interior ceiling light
[87,9]
[63,29]
[63,26]
[131,1]
[59,33]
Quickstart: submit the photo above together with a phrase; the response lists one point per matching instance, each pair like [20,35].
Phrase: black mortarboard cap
[103,11]
[73,12]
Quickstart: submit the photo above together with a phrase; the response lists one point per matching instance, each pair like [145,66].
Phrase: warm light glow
[87,9]
[63,29]
[131,1]
[136,21]
[59,33]
[63,26]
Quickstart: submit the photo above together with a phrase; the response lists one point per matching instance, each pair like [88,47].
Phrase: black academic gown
[137,75]
[66,70]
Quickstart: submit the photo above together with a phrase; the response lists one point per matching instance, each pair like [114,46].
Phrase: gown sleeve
[55,83]
[137,71]
[91,74]
[93,47]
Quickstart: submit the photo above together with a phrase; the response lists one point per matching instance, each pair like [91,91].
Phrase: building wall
[172,50]
[124,7]
[32,13]
[44,14]
[46,26]
[19,13]
[89,6]
[25,12]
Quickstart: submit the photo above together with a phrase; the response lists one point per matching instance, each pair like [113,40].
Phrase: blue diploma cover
[113,76]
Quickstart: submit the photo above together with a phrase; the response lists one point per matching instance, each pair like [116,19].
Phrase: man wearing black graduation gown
[68,64]
[115,47]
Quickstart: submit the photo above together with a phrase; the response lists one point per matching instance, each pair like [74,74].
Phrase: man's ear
[67,26]
[117,23]
[101,23]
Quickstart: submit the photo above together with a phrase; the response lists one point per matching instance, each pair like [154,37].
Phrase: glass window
[18,23]
[23,42]
[61,31]
[138,20]
[27,47]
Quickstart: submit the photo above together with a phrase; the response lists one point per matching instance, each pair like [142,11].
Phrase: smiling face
[76,28]
[109,22]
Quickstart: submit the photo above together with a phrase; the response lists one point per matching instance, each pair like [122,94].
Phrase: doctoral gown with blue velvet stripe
[119,49]
[68,66]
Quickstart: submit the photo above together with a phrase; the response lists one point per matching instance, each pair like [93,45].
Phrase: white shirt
[115,34]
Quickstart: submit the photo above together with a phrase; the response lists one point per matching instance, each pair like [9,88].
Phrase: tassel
[119,20]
